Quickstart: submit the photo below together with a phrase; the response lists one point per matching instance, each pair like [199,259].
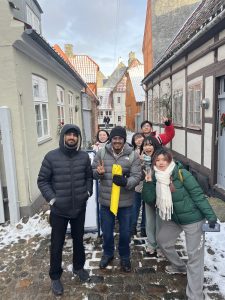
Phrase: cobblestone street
[24,272]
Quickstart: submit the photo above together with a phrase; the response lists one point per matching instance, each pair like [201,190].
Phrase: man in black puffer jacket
[65,181]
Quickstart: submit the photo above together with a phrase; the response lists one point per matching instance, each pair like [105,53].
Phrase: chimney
[131,57]
[69,49]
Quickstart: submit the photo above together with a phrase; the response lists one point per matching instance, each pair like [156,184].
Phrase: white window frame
[178,107]
[118,100]
[194,106]
[71,108]
[60,104]
[40,98]
[222,87]
[33,20]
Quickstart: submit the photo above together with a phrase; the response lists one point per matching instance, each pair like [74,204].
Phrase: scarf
[163,193]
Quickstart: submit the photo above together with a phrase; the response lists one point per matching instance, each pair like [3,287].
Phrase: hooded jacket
[131,169]
[66,175]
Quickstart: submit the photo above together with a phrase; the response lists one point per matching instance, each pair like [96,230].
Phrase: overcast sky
[103,29]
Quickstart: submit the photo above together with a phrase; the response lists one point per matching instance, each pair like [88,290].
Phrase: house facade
[163,19]
[188,84]
[38,92]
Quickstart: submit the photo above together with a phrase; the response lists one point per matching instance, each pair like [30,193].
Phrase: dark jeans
[108,223]
[59,226]
[136,210]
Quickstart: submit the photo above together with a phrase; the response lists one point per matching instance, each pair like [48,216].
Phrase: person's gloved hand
[212,224]
[120,180]
[167,122]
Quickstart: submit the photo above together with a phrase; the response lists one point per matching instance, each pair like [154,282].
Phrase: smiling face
[71,139]
[102,136]
[117,143]
[162,162]
[138,141]
[148,148]
[146,129]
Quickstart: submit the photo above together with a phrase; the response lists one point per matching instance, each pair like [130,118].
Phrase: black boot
[57,287]
[82,274]
[105,260]
[125,265]
[143,232]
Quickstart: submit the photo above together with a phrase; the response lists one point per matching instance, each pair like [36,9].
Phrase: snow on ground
[38,225]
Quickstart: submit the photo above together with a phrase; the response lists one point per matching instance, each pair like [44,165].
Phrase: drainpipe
[10,164]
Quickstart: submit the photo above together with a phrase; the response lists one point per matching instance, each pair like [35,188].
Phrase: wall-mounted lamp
[205,103]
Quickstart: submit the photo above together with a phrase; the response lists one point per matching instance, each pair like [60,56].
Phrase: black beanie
[118,131]
[72,130]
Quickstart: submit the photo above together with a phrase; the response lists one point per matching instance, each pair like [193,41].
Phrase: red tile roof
[86,67]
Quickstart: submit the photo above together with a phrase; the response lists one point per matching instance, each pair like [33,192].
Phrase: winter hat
[118,131]
[72,130]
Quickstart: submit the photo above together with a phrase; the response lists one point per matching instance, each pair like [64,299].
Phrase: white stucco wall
[201,48]
[178,63]
[201,63]
[119,109]
[209,92]
[194,147]
[178,142]
[221,53]
[222,34]
[207,145]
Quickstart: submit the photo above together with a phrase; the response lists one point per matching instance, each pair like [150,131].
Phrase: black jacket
[66,175]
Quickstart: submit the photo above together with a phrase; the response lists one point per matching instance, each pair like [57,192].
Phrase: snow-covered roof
[136,76]
[105,98]
[86,67]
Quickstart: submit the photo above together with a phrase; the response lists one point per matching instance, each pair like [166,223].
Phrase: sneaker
[57,287]
[125,265]
[82,274]
[105,260]
[143,232]
[171,269]
[159,253]
[150,250]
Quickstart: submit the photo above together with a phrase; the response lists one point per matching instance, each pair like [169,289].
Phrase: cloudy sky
[103,29]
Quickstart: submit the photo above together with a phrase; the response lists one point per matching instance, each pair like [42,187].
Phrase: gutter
[38,39]
[172,57]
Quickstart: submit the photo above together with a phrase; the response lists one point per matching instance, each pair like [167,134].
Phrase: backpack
[131,155]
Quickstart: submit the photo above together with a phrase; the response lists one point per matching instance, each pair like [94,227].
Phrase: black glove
[120,180]
[168,122]
[212,224]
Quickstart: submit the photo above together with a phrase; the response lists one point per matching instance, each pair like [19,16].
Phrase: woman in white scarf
[163,171]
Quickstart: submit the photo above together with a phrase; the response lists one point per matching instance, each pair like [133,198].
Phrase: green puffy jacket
[190,205]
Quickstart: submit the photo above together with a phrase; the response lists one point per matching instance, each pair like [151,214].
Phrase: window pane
[39,130]
[44,111]
[38,112]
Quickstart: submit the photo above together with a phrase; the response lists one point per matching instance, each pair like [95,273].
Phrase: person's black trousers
[59,226]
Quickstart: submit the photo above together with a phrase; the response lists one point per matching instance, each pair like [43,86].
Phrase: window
[110,113]
[155,103]
[119,118]
[194,105]
[101,113]
[222,87]
[40,97]
[118,99]
[106,112]
[60,104]
[71,108]
[178,107]
[33,20]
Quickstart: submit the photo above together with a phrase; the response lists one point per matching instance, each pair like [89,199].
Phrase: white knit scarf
[163,193]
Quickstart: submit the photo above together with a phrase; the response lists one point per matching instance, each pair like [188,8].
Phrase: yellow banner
[115,194]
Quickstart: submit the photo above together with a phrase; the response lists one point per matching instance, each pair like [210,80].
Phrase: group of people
[173,201]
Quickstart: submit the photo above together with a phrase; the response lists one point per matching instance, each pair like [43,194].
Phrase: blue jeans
[136,210]
[108,223]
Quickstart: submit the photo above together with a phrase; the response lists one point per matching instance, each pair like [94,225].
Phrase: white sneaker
[171,269]
[159,253]
[150,250]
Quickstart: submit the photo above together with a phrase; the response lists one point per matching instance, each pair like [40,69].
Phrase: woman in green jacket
[182,206]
